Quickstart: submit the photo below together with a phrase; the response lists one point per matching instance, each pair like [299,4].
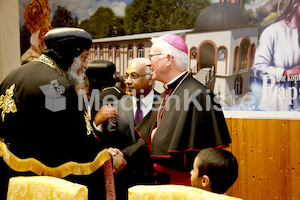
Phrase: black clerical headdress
[64,44]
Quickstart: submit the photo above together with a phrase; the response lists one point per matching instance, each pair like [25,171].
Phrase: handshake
[118,159]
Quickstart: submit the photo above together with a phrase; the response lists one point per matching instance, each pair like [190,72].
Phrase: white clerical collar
[173,80]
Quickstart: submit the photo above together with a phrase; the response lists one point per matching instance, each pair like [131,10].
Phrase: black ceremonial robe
[30,130]
[193,120]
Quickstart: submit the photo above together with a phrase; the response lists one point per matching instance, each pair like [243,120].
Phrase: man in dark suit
[139,89]
[131,109]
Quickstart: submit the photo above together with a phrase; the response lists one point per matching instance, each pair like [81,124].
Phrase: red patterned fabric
[109,180]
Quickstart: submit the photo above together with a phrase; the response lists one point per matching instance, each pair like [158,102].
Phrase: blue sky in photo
[84,9]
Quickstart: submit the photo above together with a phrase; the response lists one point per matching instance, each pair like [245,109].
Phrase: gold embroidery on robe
[7,103]
[88,125]
[35,166]
[51,63]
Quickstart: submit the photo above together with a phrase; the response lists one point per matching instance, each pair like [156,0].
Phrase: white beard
[76,74]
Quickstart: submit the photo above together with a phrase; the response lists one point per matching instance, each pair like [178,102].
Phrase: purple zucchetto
[176,41]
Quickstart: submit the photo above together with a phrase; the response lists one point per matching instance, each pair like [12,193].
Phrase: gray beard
[76,74]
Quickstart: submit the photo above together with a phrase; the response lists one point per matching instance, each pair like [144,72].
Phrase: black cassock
[192,120]
[52,137]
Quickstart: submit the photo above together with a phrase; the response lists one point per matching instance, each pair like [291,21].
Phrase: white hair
[180,57]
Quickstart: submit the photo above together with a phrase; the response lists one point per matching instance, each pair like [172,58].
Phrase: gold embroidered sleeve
[7,103]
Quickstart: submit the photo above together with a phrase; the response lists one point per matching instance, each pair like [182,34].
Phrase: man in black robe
[188,119]
[40,118]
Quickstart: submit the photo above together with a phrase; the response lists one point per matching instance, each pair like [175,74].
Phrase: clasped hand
[118,159]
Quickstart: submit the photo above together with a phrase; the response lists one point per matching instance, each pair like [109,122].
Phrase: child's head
[214,170]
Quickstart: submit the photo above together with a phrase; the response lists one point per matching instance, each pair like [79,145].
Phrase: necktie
[138,114]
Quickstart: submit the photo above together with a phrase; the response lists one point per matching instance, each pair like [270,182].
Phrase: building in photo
[221,50]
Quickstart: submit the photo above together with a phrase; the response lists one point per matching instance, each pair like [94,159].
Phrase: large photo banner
[276,67]
[246,51]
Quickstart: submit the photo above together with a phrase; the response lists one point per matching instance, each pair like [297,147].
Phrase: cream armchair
[173,192]
[46,188]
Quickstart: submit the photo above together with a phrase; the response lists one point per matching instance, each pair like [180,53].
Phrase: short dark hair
[220,166]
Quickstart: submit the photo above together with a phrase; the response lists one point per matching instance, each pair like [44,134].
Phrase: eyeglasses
[133,76]
[156,54]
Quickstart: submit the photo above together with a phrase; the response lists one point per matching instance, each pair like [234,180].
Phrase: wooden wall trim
[268,153]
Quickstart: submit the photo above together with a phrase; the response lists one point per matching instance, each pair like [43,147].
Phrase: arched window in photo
[252,54]
[101,52]
[130,52]
[208,55]
[96,53]
[141,51]
[194,53]
[238,85]
[244,46]
[235,60]
[110,52]
[117,52]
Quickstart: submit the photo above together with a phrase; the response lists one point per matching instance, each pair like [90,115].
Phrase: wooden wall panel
[268,152]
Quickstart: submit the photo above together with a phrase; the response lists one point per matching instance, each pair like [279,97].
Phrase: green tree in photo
[118,26]
[103,23]
[161,15]
[63,17]
[136,17]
